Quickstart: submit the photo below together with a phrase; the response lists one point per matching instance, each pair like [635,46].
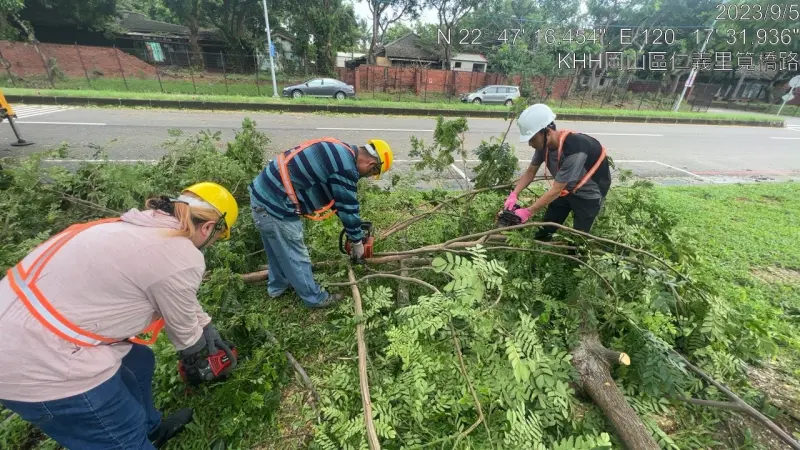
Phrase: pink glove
[511,200]
[524,214]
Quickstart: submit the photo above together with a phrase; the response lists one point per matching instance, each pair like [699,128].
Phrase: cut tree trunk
[592,361]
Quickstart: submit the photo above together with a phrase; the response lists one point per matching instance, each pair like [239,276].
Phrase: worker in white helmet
[578,162]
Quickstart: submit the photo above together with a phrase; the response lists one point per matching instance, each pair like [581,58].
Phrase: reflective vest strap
[45,314]
[591,171]
[154,328]
[23,283]
[286,180]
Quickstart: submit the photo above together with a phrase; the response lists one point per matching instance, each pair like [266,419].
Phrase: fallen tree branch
[372,435]
[303,375]
[412,220]
[261,275]
[578,260]
[567,229]
[463,368]
[591,359]
[80,201]
[736,404]
[387,275]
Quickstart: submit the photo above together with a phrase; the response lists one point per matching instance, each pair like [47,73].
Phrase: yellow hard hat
[384,153]
[221,199]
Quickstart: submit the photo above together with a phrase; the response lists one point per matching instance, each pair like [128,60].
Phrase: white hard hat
[533,120]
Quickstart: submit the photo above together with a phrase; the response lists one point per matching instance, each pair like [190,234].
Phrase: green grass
[455,106]
[748,233]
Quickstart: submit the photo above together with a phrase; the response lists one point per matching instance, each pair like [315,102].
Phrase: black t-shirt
[576,149]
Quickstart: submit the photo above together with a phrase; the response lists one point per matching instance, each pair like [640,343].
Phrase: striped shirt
[323,172]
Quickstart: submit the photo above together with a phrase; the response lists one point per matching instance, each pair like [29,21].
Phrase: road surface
[696,153]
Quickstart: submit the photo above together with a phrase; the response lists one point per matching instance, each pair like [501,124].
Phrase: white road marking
[473,131]
[785,138]
[793,127]
[25,111]
[459,171]
[665,165]
[625,134]
[28,122]
[376,129]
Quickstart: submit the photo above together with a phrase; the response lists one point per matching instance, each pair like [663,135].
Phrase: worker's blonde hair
[188,216]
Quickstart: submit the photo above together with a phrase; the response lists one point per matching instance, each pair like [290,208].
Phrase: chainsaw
[369,240]
[507,217]
[209,367]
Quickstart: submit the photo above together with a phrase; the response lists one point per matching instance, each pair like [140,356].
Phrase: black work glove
[195,359]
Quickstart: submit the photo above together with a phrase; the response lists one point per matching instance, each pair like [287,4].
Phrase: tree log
[372,435]
[591,360]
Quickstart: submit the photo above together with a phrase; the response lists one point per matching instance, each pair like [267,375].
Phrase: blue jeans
[118,414]
[287,256]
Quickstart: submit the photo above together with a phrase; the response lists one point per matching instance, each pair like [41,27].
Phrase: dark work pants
[584,212]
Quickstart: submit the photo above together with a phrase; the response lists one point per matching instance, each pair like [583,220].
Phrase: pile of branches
[598,304]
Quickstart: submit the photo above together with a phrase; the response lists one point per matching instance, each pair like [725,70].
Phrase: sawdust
[773,274]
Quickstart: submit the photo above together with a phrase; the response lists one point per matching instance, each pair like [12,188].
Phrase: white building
[342,57]
[468,62]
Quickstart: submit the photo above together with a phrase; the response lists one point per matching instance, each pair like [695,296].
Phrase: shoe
[171,426]
[332,298]
[288,289]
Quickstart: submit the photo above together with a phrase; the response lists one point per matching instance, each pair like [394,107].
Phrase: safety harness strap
[283,167]
[589,174]
[23,283]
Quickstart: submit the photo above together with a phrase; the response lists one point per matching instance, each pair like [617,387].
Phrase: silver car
[320,87]
[492,94]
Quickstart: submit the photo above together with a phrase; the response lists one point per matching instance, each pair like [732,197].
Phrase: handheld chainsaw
[369,240]
[207,367]
[507,217]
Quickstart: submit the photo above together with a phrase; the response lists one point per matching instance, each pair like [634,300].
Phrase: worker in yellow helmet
[70,310]
[314,180]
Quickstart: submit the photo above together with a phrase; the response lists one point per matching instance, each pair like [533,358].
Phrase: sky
[362,11]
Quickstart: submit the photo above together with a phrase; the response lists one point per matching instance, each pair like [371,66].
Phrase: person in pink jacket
[70,363]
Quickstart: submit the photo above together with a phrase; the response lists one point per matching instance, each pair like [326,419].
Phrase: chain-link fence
[176,70]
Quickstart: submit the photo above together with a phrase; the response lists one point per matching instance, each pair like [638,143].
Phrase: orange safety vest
[283,167]
[589,173]
[23,283]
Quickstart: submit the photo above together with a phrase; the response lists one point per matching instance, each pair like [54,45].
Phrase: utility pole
[269,50]
[693,73]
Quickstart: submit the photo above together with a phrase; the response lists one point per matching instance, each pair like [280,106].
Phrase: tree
[190,13]
[154,9]
[450,13]
[394,32]
[384,13]
[331,25]
[9,12]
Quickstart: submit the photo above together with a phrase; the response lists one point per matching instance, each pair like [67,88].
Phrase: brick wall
[25,60]
[421,81]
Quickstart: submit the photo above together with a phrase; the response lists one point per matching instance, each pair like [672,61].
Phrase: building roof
[138,24]
[406,47]
[473,57]
[352,55]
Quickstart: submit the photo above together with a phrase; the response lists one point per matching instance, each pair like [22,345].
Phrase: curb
[348,109]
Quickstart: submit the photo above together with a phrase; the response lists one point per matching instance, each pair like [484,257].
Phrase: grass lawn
[455,106]
[748,235]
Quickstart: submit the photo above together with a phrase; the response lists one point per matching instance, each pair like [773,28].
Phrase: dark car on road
[320,87]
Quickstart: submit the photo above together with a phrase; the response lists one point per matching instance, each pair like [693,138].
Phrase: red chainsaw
[209,367]
[369,241]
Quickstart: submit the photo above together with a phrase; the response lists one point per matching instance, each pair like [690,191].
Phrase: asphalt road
[695,153]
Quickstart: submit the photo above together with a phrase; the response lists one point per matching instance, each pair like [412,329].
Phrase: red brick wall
[420,81]
[25,61]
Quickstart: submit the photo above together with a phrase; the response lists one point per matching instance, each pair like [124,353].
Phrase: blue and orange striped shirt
[323,172]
